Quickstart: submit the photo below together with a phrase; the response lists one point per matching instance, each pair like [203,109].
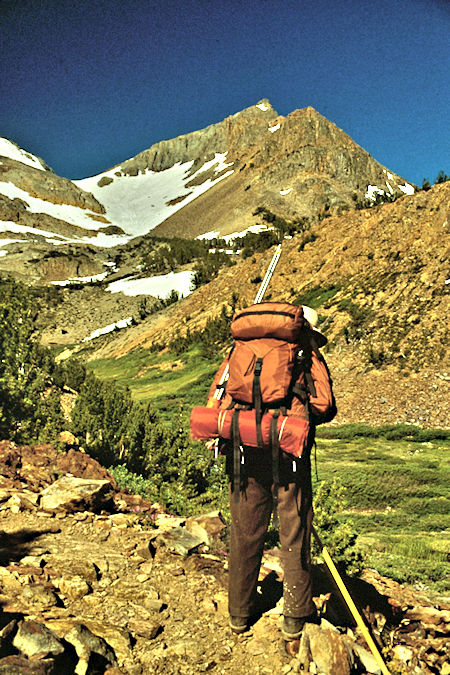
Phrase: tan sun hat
[312,318]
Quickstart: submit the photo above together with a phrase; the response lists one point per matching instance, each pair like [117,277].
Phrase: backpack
[278,387]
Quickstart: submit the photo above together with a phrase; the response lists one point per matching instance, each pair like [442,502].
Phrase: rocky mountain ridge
[97,581]
[207,180]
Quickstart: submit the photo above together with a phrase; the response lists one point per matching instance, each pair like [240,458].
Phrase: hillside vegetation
[377,278]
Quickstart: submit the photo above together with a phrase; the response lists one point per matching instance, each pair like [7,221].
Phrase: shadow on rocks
[16,545]
[366,598]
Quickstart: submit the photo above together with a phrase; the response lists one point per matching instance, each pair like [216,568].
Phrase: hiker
[267,479]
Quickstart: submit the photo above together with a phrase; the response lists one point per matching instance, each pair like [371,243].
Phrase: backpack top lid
[279,320]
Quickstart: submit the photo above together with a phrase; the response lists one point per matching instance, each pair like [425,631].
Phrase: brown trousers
[250,518]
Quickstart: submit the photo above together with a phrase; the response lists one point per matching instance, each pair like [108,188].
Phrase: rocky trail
[97,581]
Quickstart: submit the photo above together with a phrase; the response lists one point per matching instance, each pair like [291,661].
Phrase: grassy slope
[399,501]
[398,490]
[167,381]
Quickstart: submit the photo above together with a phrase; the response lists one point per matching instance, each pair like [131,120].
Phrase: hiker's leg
[249,521]
[295,514]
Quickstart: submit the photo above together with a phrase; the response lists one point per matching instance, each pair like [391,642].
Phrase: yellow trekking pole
[350,604]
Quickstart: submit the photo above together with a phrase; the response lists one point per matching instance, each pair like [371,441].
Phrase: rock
[33,638]
[146,567]
[145,628]
[74,588]
[179,540]
[71,566]
[20,665]
[428,615]
[153,604]
[76,494]
[67,438]
[403,653]
[328,650]
[92,651]
[208,527]
[21,502]
[367,659]
[39,596]
[6,637]
[146,552]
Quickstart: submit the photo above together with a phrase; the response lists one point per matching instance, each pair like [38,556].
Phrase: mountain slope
[210,180]
[378,279]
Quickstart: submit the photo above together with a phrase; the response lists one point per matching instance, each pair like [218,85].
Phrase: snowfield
[81,280]
[70,214]
[159,286]
[139,203]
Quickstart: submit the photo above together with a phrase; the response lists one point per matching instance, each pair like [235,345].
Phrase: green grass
[399,503]
[316,297]
[163,379]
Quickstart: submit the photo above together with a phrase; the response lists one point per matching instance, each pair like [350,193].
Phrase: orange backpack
[278,386]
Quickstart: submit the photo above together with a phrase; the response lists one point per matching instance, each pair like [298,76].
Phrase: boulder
[82,465]
[208,527]
[326,649]
[76,494]
[33,639]
[92,651]
[179,540]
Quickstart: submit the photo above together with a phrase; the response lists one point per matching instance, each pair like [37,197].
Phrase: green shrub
[336,534]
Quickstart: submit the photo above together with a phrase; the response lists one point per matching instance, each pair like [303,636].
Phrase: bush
[338,536]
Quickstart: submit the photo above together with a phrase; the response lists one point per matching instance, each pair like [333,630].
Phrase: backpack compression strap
[275,447]
[236,455]
[257,399]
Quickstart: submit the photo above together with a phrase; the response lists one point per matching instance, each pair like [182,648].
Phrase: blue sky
[86,84]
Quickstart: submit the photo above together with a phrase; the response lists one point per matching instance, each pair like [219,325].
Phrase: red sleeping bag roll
[209,423]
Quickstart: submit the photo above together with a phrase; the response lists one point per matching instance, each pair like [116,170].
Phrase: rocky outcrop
[234,133]
[118,592]
[47,186]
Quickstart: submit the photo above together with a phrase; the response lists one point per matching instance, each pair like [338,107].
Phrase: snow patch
[407,189]
[209,235]
[11,150]
[159,286]
[101,239]
[5,242]
[234,235]
[81,280]
[123,323]
[275,128]
[373,190]
[285,192]
[9,226]
[262,106]
[140,203]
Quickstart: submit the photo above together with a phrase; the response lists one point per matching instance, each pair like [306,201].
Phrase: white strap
[282,428]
